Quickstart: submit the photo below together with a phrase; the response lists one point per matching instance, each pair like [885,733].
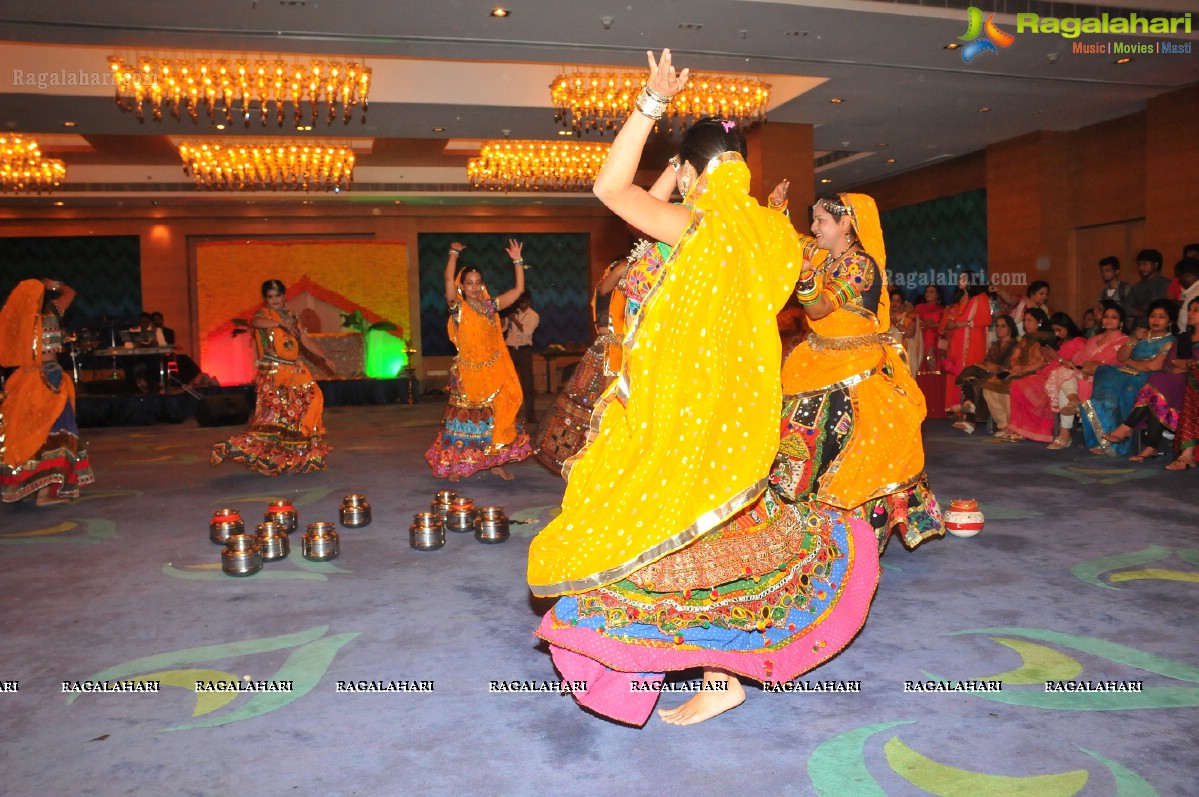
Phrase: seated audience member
[1027,359]
[996,364]
[1117,386]
[1032,415]
[1158,404]
[1070,381]
[1036,296]
[1090,321]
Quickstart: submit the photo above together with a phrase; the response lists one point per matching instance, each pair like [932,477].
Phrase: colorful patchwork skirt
[287,432]
[564,432]
[463,446]
[775,592]
[61,462]
[815,432]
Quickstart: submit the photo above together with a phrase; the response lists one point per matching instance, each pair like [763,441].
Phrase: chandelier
[313,166]
[228,88]
[536,165]
[601,101]
[23,169]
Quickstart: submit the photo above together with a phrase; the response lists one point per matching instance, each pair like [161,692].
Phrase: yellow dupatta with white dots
[686,435]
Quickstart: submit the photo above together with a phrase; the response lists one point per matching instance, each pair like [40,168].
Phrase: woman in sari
[905,328]
[1070,383]
[965,326]
[667,554]
[287,432]
[1026,360]
[1031,414]
[1116,387]
[972,380]
[1155,413]
[929,312]
[40,450]
[479,428]
[1186,438]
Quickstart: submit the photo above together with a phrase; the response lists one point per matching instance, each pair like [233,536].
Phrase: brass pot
[355,511]
[460,517]
[426,533]
[242,556]
[441,502]
[493,525]
[273,542]
[321,542]
[282,513]
[225,523]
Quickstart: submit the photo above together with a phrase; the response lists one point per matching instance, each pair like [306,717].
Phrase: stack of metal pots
[492,525]
[355,511]
[241,556]
[225,523]
[321,542]
[427,532]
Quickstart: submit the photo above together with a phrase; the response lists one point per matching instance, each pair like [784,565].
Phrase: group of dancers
[721,512]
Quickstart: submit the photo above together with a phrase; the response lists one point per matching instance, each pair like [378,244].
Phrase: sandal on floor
[1058,445]
[1181,464]
[1111,438]
[1141,457]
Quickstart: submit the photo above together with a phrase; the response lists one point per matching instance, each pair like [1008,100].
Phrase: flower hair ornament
[728,125]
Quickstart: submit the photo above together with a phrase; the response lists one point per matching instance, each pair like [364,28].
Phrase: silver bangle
[455,252]
[651,105]
[520,262]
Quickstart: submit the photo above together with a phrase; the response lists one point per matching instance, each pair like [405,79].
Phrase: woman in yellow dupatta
[40,450]
[852,411]
[479,431]
[287,432]
[667,554]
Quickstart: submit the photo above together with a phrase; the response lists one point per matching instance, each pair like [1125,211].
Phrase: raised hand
[778,197]
[514,247]
[663,79]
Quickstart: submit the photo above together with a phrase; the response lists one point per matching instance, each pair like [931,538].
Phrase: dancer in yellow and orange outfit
[670,553]
[40,450]
[287,432]
[479,431]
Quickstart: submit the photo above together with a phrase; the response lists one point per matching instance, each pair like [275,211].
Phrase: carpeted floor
[1088,569]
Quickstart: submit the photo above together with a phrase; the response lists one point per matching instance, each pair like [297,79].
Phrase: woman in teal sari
[1116,386]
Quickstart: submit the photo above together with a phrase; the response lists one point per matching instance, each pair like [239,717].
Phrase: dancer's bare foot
[503,474]
[454,477]
[721,692]
[44,498]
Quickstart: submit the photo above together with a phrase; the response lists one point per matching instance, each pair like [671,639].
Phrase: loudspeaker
[223,410]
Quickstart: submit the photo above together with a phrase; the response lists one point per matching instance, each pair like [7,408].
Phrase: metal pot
[225,523]
[273,542]
[426,533]
[355,511]
[321,542]
[242,556]
[460,516]
[441,502]
[282,514]
[493,525]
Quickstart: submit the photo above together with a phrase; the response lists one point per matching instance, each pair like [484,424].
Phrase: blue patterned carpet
[1087,570]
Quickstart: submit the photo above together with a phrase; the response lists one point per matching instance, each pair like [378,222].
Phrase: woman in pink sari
[1069,384]
[1031,413]
[965,324]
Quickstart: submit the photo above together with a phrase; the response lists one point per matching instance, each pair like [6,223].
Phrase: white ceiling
[449,64]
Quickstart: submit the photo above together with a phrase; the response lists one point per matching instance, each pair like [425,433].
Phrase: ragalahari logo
[983,37]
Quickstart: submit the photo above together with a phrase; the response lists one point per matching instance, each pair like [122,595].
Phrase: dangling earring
[684,184]
[849,239]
